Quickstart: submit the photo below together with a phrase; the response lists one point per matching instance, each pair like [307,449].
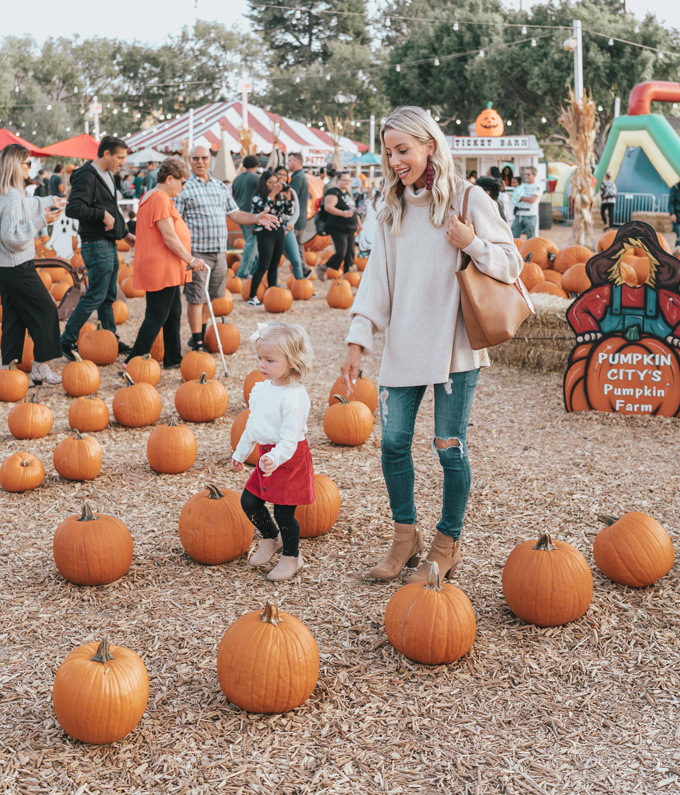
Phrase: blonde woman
[409,290]
[26,303]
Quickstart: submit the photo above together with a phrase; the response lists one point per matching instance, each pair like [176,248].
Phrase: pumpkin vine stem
[270,614]
[127,379]
[87,515]
[433,583]
[341,398]
[77,356]
[103,653]
[203,379]
[77,434]
[31,399]
[545,543]
[607,519]
[215,493]
[173,423]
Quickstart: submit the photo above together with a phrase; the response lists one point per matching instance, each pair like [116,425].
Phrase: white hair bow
[255,336]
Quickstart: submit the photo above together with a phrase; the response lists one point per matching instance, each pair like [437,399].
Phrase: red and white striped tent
[293,136]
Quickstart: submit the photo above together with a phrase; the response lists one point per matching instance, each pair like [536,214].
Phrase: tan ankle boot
[266,551]
[407,544]
[446,552]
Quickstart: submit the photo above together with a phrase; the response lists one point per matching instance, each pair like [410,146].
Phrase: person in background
[674,210]
[472,177]
[494,172]
[138,181]
[93,203]
[243,190]
[506,176]
[290,245]
[332,180]
[369,223]
[342,225]
[26,303]
[492,186]
[525,199]
[151,175]
[42,188]
[607,200]
[57,181]
[299,183]
[127,187]
[131,222]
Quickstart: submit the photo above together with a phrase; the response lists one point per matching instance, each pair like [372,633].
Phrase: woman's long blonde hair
[11,174]
[420,124]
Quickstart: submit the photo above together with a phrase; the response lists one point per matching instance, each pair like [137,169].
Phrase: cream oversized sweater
[410,291]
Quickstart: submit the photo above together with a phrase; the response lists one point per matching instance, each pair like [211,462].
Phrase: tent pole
[191,129]
[371,146]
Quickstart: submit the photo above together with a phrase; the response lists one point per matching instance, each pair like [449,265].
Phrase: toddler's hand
[237,466]
[267,465]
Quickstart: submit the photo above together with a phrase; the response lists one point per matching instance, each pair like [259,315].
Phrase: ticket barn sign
[626,359]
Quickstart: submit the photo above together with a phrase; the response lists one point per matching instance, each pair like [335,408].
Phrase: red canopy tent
[7,138]
[83,146]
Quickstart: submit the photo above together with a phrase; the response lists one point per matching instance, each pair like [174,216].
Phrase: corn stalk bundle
[581,125]
[245,136]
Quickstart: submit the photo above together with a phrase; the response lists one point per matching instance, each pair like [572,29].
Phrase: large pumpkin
[489,123]
[547,583]
[202,400]
[171,448]
[144,369]
[278,299]
[348,422]
[100,692]
[634,550]
[87,414]
[302,289]
[575,279]
[13,383]
[229,336]
[531,274]
[213,528]
[571,255]
[430,622]
[319,517]
[540,251]
[21,472]
[268,662]
[30,420]
[78,457]
[92,549]
[99,346]
[81,377]
[136,405]
[237,428]
[121,312]
[364,391]
[195,363]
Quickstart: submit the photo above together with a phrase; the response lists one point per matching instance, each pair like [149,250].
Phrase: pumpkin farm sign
[627,356]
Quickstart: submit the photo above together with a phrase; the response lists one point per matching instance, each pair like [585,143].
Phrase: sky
[144,23]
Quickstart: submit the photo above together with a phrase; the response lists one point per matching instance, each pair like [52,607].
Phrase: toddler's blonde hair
[293,342]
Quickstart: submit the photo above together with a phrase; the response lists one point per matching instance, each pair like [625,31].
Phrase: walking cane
[212,317]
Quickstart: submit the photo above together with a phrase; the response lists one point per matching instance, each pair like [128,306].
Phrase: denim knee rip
[452,443]
[384,394]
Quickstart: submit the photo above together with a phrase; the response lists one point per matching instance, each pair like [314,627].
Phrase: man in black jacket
[93,202]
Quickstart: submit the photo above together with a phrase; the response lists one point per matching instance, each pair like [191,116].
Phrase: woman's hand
[275,190]
[349,369]
[459,234]
[267,465]
[52,215]
[196,264]
[237,466]
[59,202]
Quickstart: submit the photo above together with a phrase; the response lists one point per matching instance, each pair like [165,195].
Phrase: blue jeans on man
[101,261]
[249,260]
[525,223]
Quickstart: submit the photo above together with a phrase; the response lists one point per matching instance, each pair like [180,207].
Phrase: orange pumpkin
[489,123]
[144,369]
[30,420]
[319,517]
[540,251]
[340,295]
[571,255]
[553,276]
[532,274]
[348,423]
[223,306]
[158,347]
[253,377]
[549,288]
[121,312]
[364,391]
[136,405]
[277,299]
[78,457]
[237,428]
[81,377]
[575,280]
[88,414]
[171,448]
[195,363]
[99,346]
[245,289]
[21,472]
[129,289]
[234,284]
[302,289]
[229,336]
[353,277]
[13,383]
[202,400]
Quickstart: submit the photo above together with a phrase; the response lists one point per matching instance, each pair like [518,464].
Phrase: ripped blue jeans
[398,410]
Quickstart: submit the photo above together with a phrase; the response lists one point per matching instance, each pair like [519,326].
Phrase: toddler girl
[279,407]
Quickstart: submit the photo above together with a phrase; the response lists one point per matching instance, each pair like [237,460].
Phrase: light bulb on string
[543,120]
[600,108]
[436,61]
[455,26]
[611,42]
[397,68]
[49,107]
[457,121]
[481,53]
[524,30]
[533,42]
[297,14]
[388,22]
[509,123]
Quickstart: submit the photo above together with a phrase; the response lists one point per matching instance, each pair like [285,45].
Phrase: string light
[610,42]
[533,42]
[481,53]
[455,26]
[397,68]
[524,30]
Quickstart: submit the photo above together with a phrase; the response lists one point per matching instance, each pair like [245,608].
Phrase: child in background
[284,476]
[132,222]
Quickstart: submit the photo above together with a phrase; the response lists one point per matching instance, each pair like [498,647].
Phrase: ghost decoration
[63,232]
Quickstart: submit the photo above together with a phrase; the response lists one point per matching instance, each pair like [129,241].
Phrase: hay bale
[660,221]
[544,340]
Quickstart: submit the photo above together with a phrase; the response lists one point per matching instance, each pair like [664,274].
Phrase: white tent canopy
[144,156]
[208,121]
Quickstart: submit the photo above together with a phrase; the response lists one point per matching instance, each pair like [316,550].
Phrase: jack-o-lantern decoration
[489,123]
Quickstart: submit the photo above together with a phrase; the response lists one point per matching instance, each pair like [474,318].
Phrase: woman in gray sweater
[26,303]
[409,291]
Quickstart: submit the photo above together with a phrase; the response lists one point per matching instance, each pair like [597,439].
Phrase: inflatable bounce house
[643,152]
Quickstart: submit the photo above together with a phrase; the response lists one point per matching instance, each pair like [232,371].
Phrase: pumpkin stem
[146,356]
[633,334]
[172,423]
[26,463]
[270,614]
[341,398]
[360,374]
[77,434]
[433,583]
[31,399]
[98,327]
[76,355]
[607,519]
[545,543]
[87,515]
[203,379]
[215,493]
[103,653]
[12,365]
[127,379]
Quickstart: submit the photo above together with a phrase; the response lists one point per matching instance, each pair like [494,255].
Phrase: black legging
[607,207]
[163,311]
[256,511]
[26,305]
[344,250]
[269,250]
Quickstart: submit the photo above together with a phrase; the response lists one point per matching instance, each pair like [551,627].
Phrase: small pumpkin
[531,274]
[85,328]
[121,312]
[253,377]
[81,377]
[245,289]
[332,273]
[364,391]
[278,299]
[234,284]
[361,263]
[195,363]
[353,277]
[268,662]
[489,123]
[124,272]
[302,289]
[92,549]
[548,288]
[129,289]
[430,622]
[144,369]
[213,528]
[99,346]
[202,400]
[319,517]
[136,405]
[171,448]
[21,472]
[224,305]
[237,428]
[13,383]
[348,422]
[633,550]
[547,583]
[100,692]
[158,347]
[88,414]
[229,336]
[571,255]
[78,457]
[340,294]
[27,355]
[541,251]
[30,420]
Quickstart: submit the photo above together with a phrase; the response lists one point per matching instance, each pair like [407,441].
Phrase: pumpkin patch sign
[627,356]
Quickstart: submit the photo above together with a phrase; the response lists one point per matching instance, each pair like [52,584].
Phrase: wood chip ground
[591,707]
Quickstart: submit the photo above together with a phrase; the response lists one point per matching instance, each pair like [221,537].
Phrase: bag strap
[466,196]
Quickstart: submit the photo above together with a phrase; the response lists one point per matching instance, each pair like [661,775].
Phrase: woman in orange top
[162,257]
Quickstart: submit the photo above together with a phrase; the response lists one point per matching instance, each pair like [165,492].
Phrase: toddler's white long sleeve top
[278,416]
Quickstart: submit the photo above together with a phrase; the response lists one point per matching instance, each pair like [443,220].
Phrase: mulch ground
[591,707]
